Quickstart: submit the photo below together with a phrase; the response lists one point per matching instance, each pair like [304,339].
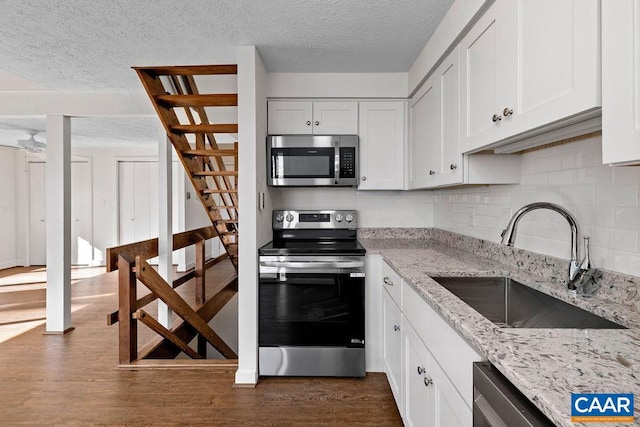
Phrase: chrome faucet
[509,235]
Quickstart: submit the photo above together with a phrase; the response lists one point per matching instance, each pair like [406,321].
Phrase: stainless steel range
[311,299]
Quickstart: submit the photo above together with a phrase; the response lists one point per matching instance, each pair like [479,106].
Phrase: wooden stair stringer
[206,171]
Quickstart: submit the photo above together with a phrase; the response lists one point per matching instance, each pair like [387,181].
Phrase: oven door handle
[313,264]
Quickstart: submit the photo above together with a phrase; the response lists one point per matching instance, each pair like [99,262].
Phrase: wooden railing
[131,262]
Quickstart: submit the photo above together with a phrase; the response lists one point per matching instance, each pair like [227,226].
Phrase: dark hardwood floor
[74,379]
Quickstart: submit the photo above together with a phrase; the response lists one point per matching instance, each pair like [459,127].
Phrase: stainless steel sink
[510,304]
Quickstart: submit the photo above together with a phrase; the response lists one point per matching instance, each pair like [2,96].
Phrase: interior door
[81,214]
[37,211]
[138,201]
[81,221]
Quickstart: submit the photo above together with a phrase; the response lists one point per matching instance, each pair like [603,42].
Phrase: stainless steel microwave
[312,160]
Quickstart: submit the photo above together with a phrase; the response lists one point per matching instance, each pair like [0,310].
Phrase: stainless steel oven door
[311,301]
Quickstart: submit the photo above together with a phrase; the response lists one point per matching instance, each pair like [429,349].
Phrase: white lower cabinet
[392,345]
[430,399]
[428,364]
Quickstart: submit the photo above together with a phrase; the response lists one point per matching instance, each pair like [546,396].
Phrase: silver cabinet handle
[427,381]
[308,122]
[421,370]
[387,281]
[496,118]
[453,166]
[396,328]
[507,112]
[364,178]
[432,172]
[317,123]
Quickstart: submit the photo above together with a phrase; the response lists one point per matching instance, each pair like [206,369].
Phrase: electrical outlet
[471,220]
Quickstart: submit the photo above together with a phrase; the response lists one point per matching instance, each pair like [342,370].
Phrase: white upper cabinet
[529,66]
[621,82]
[435,159]
[290,117]
[382,130]
[307,118]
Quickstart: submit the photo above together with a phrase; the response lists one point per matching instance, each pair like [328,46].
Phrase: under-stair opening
[197,106]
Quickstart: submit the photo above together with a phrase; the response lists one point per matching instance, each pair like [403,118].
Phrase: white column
[58,218]
[165,232]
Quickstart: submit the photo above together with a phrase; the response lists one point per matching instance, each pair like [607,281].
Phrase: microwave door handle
[336,166]
[274,165]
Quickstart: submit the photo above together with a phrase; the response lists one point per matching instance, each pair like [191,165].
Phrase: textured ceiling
[81,45]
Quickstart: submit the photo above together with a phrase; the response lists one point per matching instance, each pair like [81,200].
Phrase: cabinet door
[558,63]
[335,118]
[621,81]
[484,69]
[425,148]
[449,75]
[450,409]
[289,117]
[392,346]
[419,395]
[381,145]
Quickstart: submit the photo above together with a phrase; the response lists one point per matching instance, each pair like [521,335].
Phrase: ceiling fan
[31,144]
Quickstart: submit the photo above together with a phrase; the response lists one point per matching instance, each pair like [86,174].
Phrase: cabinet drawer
[415,310]
[392,282]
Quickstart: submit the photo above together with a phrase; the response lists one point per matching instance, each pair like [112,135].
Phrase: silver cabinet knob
[308,122]
[317,123]
[396,328]
[364,178]
[387,281]
[421,370]
[427,381]
[507,112]
[496,118]
[432,172]
[453,166]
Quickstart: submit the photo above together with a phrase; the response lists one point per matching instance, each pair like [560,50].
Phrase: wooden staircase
[184,113]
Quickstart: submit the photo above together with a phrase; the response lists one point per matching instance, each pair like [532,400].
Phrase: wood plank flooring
[74,380]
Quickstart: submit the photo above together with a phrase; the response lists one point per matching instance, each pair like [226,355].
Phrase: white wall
[375,208]
[603,199]
[8,208]
[256,224]
[337,85]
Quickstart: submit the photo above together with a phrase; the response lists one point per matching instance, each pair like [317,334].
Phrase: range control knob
[289,217]
[349,217]
[339,218]
[279,217]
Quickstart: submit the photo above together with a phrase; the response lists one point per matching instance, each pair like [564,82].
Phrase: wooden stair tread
[190,70]
[205,128]
[210,153]
[218,191]
[226,221]
[203,100]
[215,173]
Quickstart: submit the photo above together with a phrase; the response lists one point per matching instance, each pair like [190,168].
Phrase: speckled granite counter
[547,365]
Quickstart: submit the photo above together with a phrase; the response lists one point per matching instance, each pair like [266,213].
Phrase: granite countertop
[547,365]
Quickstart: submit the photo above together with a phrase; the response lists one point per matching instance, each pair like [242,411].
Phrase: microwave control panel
[347,162]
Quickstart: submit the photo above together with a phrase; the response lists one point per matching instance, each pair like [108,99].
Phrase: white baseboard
[8,264]
[247,377]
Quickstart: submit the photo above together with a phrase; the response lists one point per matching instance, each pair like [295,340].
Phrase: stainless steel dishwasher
[498,403]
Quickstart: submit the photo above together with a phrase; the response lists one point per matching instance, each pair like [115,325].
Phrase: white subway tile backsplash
[616,195]
[562,177]
[628,218]
[604,200]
